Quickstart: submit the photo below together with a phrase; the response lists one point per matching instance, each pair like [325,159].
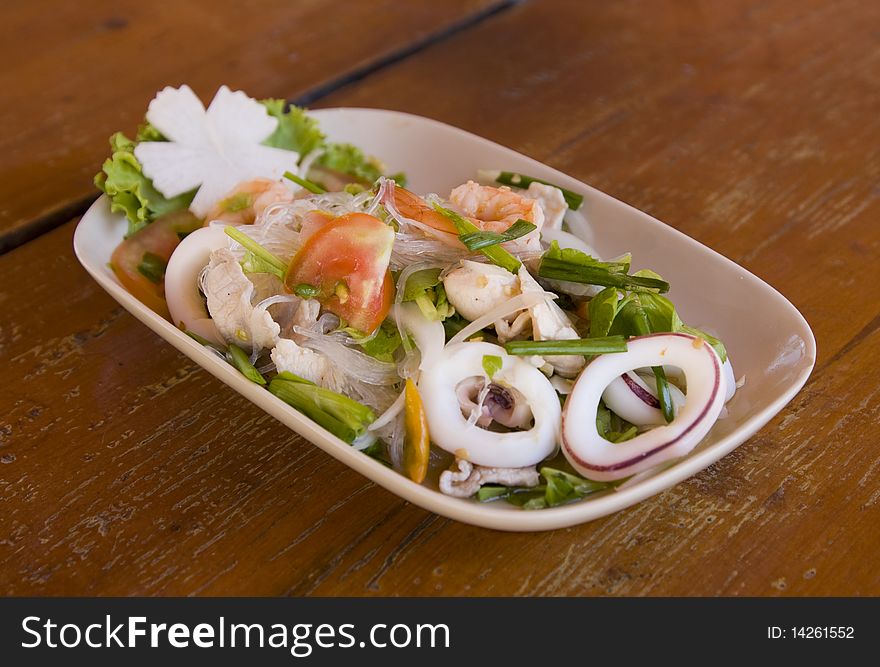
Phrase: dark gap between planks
[11,239]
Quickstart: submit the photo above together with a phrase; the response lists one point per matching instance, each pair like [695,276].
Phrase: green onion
[496,254]
[314,188]
[663,394]
[243,363]
[269,262]
[581,346]
[259,251]
[478,240]
[199,339]
[342,416]
[152,267]
[557,269]
[306,291]
[573,199]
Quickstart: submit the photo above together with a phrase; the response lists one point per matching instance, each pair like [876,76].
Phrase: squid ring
[598,459]
[185,303]
[450,429]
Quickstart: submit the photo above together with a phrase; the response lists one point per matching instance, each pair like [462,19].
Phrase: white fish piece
[230,302]
[474,288]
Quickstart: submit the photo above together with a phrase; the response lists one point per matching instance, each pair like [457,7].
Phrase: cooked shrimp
[412,206]
[495,209]
[248,200]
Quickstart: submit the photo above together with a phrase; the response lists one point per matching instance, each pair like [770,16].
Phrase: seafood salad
[469,339]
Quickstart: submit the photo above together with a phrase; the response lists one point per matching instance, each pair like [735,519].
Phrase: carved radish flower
[213,149]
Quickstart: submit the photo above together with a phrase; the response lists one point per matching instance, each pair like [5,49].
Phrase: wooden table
[752,126]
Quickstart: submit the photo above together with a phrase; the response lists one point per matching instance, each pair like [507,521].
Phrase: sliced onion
[451,431]
[634,398]
[509,307]
[598,459]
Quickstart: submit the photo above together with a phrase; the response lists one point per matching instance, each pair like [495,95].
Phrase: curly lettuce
[130,191]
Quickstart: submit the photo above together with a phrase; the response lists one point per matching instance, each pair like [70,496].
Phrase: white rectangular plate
[769,341]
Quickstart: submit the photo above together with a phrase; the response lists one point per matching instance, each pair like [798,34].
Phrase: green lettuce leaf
[130,191]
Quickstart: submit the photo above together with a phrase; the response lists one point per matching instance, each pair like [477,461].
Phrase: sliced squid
[185,302]
[598,459]
[440,386]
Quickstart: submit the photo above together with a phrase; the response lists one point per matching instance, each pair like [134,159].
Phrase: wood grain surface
[751,126]
[74,74]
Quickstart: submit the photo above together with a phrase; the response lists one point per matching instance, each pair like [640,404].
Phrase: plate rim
[465,510]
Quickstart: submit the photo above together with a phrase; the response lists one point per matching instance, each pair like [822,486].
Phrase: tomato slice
[139,261]
[344,265]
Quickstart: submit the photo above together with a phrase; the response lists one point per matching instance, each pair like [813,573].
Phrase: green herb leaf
[578,346]
[351,161]
[496,254]
[306,291]
[383,344]
[492,364]
[612,427]
[474,241]
[296,130]
[314,188]
[603,309]
[399,178]
[243,363]
[563,487]
[573,199]
[634,320]
[152,267]
[622,436]
[453,324]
